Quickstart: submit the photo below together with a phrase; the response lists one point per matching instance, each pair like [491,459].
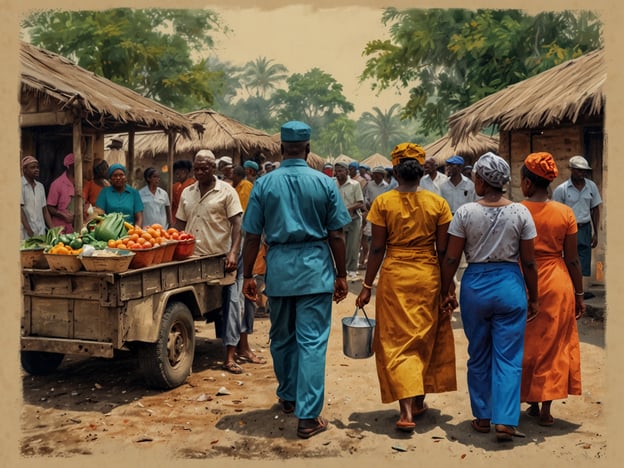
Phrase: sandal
[251,360]
[506,433]
[481,425]
[232,367]
[310,427]
[406,426]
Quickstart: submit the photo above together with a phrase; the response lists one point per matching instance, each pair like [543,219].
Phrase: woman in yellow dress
[413,341]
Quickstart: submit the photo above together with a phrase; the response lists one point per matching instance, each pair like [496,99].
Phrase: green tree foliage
[257,112]
[148,50]
[380,131]
[314,97]
[336,138]
[449,59]
[261,76]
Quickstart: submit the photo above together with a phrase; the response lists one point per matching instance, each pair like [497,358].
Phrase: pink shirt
[61,196]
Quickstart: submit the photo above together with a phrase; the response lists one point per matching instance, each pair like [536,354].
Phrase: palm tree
[380,131]
[262,75]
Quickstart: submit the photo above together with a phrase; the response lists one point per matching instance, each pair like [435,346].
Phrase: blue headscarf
[115,167]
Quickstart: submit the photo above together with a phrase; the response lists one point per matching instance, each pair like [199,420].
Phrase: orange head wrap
[407,150]
[542,164]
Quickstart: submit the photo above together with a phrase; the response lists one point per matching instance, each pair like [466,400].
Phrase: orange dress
[551,367]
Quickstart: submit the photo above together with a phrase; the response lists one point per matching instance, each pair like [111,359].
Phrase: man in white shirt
[457,189]
[372,190]
[33,208]
[582,195]
[433,179]
[353,198]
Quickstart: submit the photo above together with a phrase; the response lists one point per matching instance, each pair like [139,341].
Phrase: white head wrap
[493,169]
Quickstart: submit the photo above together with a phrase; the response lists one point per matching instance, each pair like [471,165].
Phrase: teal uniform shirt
[295,206]
[127,202]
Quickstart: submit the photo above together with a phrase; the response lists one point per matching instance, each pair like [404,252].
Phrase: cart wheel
[40,363]
[168,362]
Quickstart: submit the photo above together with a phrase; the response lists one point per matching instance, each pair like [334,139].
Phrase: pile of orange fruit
[145,238]
[62,249]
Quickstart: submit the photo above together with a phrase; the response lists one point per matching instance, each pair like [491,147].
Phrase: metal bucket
[357,336]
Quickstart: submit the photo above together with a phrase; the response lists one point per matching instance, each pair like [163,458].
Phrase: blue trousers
[237,312]
[299,334]
[583,245]
[493,305]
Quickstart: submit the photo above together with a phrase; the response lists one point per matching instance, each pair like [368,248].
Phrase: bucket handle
[364,312]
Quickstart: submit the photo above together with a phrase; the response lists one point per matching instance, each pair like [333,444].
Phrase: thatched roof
[470,148]
[315,161]
[222,135]
[377,159]
[101,103]
[342,158]
[563,93]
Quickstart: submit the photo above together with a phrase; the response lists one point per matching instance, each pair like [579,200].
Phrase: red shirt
[176,192]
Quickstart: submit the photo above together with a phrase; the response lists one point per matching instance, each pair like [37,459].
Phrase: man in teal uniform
[301,214]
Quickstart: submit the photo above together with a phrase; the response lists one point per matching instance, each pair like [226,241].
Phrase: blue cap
[455,160]
[252,165]
[354,164]
[295,131]
[365,167]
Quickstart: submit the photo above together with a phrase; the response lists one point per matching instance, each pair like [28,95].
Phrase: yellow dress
[414,351]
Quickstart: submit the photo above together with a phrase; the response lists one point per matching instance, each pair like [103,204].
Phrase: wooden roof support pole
[77,150]
[130,158]
[170,153]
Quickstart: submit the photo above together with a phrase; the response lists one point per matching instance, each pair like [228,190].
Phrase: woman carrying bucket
[413,340]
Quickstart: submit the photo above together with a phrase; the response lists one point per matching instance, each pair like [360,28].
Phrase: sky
[330,39]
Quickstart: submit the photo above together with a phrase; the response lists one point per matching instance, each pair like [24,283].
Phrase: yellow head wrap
[407,150]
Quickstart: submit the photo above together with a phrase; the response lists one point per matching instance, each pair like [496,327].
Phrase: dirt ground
[101,407]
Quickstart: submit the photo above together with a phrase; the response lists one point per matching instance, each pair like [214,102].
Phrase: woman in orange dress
[413,340]
[551,367]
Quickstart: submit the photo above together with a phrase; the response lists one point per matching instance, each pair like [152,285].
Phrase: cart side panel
[94,322]
[51,316]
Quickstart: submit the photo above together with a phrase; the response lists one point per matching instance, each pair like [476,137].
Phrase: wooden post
[130,158]
[78,203]
[170,154]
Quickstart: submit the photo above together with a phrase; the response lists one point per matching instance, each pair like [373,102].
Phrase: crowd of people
[297,235]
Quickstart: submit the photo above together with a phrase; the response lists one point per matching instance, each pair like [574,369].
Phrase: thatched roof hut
[377,159]
[563,93]
[66,91]
[470,148]
[342,158]
[315,161]
[65,108]
[560,110]
[222,135]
